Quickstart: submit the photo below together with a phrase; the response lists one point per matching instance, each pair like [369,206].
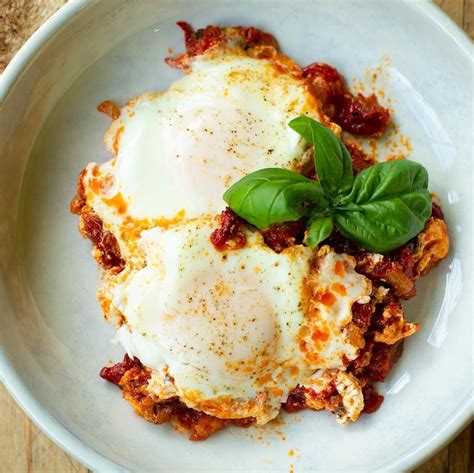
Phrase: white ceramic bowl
[53,339]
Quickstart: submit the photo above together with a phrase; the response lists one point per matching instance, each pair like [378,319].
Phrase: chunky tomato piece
[361,115]
[109,108]
[257,37]
[114,373]
[326,79]
[362,314]
[283,235]
[296,400]
[229,235]
[383,358]
[372,400]
[356,114]
[397,271]
[198,42]
[104,241]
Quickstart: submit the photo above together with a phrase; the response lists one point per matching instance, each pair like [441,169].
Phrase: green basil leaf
[332,160]
[384,225]
[274,195]
[318,230]
[389,204]
[387,180]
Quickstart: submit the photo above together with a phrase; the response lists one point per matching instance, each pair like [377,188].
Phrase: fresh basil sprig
[381,208]
[392,205]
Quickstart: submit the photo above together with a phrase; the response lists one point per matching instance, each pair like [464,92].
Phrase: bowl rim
[12,380]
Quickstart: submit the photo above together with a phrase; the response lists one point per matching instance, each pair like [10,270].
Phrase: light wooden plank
[24,448]
[461,452]
[468,22]
[12,438]
[457,457]
[439,463]
[454,8]
[45,456]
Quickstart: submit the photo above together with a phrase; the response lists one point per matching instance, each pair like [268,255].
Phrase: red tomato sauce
[355,114]
[229,235]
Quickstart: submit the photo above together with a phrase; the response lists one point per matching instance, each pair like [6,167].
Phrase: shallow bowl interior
[53,339]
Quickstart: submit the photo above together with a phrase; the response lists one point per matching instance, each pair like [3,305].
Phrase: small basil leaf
[274,195]
[318,230]
[387,180]
[384,225]
[332,160]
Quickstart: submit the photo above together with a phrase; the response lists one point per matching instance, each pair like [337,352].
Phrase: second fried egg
[232,333]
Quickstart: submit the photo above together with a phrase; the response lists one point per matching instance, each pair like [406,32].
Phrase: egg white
[226,327]
[176,152]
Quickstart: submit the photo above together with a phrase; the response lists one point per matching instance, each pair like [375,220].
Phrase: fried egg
[229,333]
[176,152]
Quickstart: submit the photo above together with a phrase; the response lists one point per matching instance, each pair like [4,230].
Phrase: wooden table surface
[23,447]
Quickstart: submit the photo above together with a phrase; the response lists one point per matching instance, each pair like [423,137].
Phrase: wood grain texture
[454,8]
[468,20]
[23,447]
